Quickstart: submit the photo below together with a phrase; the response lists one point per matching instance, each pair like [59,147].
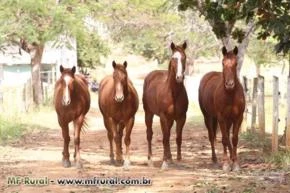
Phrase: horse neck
[173,85]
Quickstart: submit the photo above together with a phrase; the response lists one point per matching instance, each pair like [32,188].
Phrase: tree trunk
[243,45]
[35,50]
[35,74]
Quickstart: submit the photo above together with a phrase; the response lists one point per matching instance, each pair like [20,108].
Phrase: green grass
[280,159]
[254,140]
[10,128]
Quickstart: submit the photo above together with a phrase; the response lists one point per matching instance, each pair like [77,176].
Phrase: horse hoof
[164,166]
[66,163]
[79,165]
[236,167]
[126,164]
[119,162]
[150,163]
[226,167]
[178,158]
[112,162]
[215,165]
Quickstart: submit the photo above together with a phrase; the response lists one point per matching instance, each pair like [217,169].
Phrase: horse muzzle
[66,102]
[230,84]
[119,99]
[179,79]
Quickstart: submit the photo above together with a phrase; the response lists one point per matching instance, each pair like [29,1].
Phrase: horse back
[207,88]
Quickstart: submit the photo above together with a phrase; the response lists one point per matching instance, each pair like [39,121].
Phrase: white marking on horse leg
[164,165]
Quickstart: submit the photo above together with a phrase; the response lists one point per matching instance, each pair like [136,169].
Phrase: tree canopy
[44,20]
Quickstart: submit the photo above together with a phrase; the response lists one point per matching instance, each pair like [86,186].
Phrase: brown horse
[72,102]
[118,102]
[221,99]
[164,95]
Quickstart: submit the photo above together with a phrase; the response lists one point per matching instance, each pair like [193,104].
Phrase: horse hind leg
[78,123]
[129,126]
[66,139]
[149,132]
[179,127]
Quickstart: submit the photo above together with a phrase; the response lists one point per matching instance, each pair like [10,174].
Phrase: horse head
[230,61]
[120,81]
[67,81]
[178,61]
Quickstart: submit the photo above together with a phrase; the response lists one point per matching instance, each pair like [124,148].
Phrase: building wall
[16,74]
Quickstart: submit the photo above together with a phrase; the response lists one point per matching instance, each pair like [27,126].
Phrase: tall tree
[33,23]
[225,18]
[148,27]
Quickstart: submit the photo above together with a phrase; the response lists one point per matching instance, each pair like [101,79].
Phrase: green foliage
[272,16]
[280,159]
[262,52]
[45,20]
[10,129]
[254,140]
[89,58]
[222,15]
[148,27]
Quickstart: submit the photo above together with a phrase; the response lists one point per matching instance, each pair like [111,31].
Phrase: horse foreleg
[149,131]
[225,142]
[166,125]
[129,126]
[78,123]
[117,140]
[179,127]
[235,139]
[120,134]
[66,139]
[110,136]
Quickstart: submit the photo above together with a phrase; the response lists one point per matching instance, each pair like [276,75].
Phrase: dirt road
[38,155]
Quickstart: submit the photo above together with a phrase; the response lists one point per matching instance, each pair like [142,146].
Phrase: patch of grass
[249,190]
[280,159]
[10,128]
[213,189]
[254,140]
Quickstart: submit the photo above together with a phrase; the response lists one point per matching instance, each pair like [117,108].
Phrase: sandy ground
[38,154]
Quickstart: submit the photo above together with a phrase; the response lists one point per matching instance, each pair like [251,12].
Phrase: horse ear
[172,46]
[236,50]
[125,64]
[184,45]
[61,68]
[114,64]
[224,50]
[73,69]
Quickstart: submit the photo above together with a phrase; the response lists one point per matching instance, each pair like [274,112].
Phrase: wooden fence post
[254,103]
[288,116]
[275,114]
[244,126]
[261,103]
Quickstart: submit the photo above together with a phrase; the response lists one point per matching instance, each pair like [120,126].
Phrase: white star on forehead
[176,55]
